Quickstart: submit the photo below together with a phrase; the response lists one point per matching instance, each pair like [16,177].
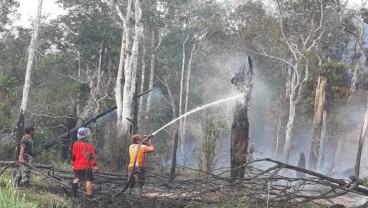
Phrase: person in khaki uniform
[26,152]
[137,162]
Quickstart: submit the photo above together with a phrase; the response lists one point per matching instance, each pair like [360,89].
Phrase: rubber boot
[138,191]
[74,189]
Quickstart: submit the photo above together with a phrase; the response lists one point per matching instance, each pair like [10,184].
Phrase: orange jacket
[141,160]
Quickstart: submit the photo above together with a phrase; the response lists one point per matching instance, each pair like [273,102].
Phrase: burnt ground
[197,190]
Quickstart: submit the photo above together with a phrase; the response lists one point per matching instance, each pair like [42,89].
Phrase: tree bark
[128,76]
[27,79]
[71,123]
[321,158]
[319,105]
[240,126]
[174,158]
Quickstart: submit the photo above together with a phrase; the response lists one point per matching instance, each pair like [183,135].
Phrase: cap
[29,129]
[82,132]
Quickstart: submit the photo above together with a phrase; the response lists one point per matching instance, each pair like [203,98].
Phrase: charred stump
[240,126]
[71,123]
[301,164]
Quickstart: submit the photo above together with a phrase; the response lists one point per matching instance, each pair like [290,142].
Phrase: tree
[240,126]
[27,80]
[213,128]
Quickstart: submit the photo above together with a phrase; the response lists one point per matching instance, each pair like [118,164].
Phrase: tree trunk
[152,70]
[118,87]
[296,89]
[152,75]
[338,154]
[319,105]
[27,80]
[175,134]
[239,141]
[128,78]
[240,126]
[71,123]
[289,130]
[321,158]
[143,76]
[301,164]
[278,135]
[134,66]
[186,101]
[173,163]
[363,133]
[181,98]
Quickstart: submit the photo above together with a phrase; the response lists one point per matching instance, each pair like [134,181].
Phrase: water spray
[147,137]
[195,110]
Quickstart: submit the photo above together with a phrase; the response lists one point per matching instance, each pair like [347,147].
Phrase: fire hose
[130,178]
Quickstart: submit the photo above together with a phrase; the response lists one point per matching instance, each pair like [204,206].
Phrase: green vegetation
[11,197]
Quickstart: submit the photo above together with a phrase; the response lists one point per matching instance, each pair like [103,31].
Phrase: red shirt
[81,151]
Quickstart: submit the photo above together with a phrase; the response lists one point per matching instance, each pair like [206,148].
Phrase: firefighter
[83,162]
[137,163]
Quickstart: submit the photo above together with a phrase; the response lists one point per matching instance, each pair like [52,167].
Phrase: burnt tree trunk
[240,126]
[239,141]
[175,148]
[71,123]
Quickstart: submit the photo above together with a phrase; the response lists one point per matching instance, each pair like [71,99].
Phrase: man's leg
[26,171]
[140,181]
[25,174]
[75,184]
[88,180]
[131,181]
[89,188]
[17,176]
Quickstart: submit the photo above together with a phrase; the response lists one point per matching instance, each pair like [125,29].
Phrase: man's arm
[21,153]
[149,147]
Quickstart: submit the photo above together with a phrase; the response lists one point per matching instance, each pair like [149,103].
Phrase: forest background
[100,54]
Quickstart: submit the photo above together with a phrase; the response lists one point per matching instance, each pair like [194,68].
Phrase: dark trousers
[139,176]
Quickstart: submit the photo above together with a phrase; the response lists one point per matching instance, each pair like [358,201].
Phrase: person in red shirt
[137,163]
[83,162]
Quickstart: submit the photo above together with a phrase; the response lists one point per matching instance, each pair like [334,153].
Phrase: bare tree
[128,64]
[298,45]
[27,80]
[182,78]
[183,141]
[154,49]
[175,131]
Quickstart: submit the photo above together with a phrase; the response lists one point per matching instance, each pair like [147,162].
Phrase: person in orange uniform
[83,162]
[137,163]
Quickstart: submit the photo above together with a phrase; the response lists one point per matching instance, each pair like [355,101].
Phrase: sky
[28,9]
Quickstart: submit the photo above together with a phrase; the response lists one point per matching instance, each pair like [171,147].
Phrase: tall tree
[27,80]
